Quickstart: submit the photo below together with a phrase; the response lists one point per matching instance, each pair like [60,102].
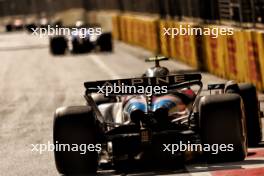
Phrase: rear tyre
[31,27]
[104,42]
[248,93]
[222,122]
[9,28]
[252,110]
[75,126]
[58,45]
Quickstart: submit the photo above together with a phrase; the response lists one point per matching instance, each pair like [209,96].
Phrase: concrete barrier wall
[237,57]
[69,17]
[104,19]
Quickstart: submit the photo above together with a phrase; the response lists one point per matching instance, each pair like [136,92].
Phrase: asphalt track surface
[34,83]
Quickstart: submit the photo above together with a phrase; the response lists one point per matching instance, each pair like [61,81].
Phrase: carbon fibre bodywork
[148,121]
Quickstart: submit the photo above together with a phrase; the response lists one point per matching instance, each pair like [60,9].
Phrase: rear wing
[171,81]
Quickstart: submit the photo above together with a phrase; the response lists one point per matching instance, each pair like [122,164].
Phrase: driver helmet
[79,23]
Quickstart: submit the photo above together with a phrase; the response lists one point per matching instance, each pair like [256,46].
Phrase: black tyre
[31,27]
[248,93]
[58,45]
[75,125]
[104,42]
[222,121]
[9,28]
[252,110]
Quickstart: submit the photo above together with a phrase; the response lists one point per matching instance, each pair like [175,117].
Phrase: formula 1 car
[134,128]
[16,25]
[80,41]
[41,23]
[20,25]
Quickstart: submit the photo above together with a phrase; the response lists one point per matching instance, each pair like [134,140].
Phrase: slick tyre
[104,42]
[252,110]
[31,28]
[254,127]
[75,126]
[9,28]
[58,45]
[222,125]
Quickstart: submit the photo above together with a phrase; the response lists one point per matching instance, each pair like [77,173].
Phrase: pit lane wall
[237,57]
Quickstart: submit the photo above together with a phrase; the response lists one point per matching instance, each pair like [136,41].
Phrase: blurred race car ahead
[122,129]
[43,22]
[27,24]
[15,25]
[81,40]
